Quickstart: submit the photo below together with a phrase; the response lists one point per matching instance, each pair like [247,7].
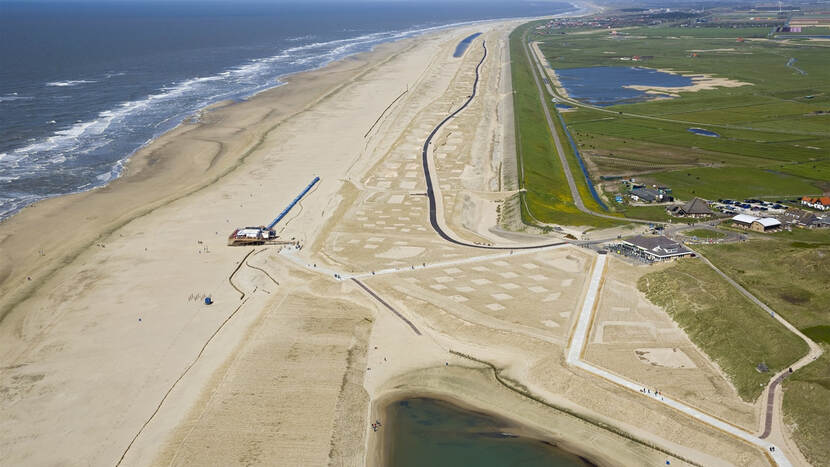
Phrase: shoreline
[121,166]
[136,165]
[99,308]
[78,327]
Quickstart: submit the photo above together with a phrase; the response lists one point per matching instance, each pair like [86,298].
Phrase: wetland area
[611,85]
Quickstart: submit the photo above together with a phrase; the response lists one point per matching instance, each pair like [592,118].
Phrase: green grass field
[775,132]
[733,331]
[704,234]
[548,197]
[789,272]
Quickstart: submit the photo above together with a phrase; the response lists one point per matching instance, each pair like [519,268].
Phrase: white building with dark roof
[656,248]
[758,224]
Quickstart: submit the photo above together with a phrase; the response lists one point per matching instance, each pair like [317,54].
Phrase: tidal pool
[605,85]
[462,46]
[424,431]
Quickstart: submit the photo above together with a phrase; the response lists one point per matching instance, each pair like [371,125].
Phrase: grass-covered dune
[789,272]
[734,332]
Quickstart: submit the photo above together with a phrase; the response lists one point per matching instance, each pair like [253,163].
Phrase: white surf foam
[14,97]
[69,83]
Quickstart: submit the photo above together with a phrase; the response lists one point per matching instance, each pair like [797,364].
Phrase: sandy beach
[111,357]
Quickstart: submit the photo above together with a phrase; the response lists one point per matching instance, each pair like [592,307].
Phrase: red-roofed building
[822,203]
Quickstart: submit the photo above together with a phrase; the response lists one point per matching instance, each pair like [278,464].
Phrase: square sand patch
[552,297]
[495,307]
[395,199]
[501,296]
[480,281]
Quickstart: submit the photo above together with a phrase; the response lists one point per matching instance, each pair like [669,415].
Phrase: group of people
[656,393]
[376,425]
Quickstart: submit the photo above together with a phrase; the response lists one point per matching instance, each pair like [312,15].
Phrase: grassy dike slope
[733,331]
[790,273]
[548,198]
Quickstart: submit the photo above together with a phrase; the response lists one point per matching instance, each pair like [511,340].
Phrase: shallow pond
[423,431]
[604,85]
[702,132]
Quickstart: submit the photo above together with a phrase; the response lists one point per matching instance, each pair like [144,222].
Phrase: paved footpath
[814,353]
[574,358]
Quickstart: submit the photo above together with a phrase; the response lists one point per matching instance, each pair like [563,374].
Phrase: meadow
[774,132]
[547,198]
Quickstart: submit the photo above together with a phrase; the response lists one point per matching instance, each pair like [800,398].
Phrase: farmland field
[774,130]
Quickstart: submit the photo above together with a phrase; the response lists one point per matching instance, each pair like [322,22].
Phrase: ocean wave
[84,136]
[69,83]
[114,132]
[301,38]
[14,97]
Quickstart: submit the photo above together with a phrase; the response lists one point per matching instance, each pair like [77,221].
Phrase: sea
[84,84]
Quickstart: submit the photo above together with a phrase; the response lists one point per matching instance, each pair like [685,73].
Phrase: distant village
[752,214]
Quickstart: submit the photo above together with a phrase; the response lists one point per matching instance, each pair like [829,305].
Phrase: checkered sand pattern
[626,323]
[504,293]
[387,225]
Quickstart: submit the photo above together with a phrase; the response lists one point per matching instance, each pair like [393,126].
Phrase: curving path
[574,358]
[431,186]
[814,352]
[578,340]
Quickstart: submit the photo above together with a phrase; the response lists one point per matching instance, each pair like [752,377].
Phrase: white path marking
[574,358]
[291,254]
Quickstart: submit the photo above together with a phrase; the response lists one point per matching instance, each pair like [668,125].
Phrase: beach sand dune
[110,355]
[113,314]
